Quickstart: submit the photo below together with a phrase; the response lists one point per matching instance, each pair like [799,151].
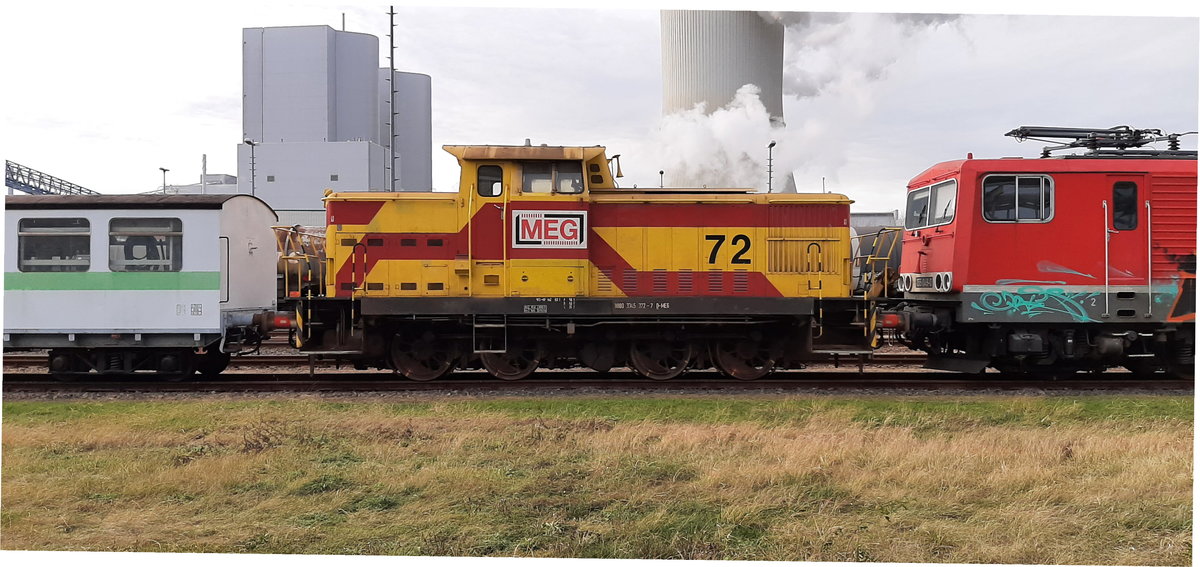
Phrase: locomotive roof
[525,152]
[1056,164]
[121,201]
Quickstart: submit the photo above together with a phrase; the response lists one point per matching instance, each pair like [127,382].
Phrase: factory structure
[707,55]
[316,116]
[316,113]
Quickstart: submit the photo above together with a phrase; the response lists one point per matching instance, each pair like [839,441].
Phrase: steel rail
[302,359]
[477,382]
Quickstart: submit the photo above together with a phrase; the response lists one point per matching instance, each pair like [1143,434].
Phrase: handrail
[1107,235]
[1149,264]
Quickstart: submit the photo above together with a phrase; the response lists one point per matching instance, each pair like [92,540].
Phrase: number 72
[719,239]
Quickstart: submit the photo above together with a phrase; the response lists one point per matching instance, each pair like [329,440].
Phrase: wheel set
[423,355]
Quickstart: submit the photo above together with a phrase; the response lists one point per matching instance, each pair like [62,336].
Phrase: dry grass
[1003,480]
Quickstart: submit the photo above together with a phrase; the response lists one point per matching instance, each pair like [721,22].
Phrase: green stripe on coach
[61,281]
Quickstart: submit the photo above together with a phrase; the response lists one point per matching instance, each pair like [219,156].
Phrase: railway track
[577,380]
[260,360]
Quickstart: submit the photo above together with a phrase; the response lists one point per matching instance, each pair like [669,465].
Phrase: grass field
[1004,479]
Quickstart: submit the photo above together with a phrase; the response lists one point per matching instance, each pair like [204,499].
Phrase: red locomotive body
[1062,264]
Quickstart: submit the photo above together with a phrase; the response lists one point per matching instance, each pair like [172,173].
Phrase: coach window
[490,181]
[145,245]
[53,245]
[552,177]
[1018,198]
[1125,209]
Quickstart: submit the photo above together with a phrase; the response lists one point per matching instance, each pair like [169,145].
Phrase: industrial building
[315,116]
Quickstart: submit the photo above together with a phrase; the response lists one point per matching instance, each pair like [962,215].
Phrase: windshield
[931,206]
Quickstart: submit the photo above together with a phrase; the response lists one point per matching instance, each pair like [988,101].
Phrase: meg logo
[549,229]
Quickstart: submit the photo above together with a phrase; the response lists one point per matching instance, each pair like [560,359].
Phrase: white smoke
[696,148]
[832,63]
[846,52]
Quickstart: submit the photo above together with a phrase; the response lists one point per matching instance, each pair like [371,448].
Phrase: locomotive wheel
[660,359]
[599,356]
[515,364]
[744,359]
[418,356]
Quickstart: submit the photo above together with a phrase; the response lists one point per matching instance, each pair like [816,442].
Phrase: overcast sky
[104,94]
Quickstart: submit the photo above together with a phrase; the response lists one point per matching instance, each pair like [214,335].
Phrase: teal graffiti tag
[1032,301]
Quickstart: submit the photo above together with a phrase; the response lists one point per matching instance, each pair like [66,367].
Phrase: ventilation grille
[604,282]
[629,280]
[715,281]
[741,281]
[686,281]
[660,281]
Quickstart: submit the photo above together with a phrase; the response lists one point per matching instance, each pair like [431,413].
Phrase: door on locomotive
[547,230]
[529,229]
[1127,260]
[486,225]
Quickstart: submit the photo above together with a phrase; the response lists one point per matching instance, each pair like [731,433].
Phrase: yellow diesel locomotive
[540,260]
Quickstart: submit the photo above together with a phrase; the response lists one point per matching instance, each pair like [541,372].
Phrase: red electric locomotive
[1054,265]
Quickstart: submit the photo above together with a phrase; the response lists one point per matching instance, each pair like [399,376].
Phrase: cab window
[1018,198]
[490,181]
[565,177]
[931,206]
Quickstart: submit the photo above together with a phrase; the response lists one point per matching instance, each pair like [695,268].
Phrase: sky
[105,94]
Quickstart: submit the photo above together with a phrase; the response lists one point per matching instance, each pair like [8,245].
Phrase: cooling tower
[708,55]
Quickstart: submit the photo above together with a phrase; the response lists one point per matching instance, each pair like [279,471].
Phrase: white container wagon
[117,284]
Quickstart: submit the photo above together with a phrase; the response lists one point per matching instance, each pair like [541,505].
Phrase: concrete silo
[315,117]
[414,128]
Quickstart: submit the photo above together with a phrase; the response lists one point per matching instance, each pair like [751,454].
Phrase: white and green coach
[118,284]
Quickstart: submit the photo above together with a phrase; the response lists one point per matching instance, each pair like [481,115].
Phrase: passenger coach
[125,283]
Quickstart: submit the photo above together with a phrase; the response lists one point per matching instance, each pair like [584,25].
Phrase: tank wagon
[1058,264]
[540,260]
[118,284]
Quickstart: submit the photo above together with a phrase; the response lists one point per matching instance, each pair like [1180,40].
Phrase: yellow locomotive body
[539,257]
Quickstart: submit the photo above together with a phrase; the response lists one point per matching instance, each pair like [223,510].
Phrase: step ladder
[874,276]
[485,342]
[873,266]
[838,351]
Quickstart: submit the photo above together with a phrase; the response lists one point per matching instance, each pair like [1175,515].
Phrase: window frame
[479,179]
[931,193]
[22,235]
[554,177]
[173,244]
[1125,184]
[1046,187]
